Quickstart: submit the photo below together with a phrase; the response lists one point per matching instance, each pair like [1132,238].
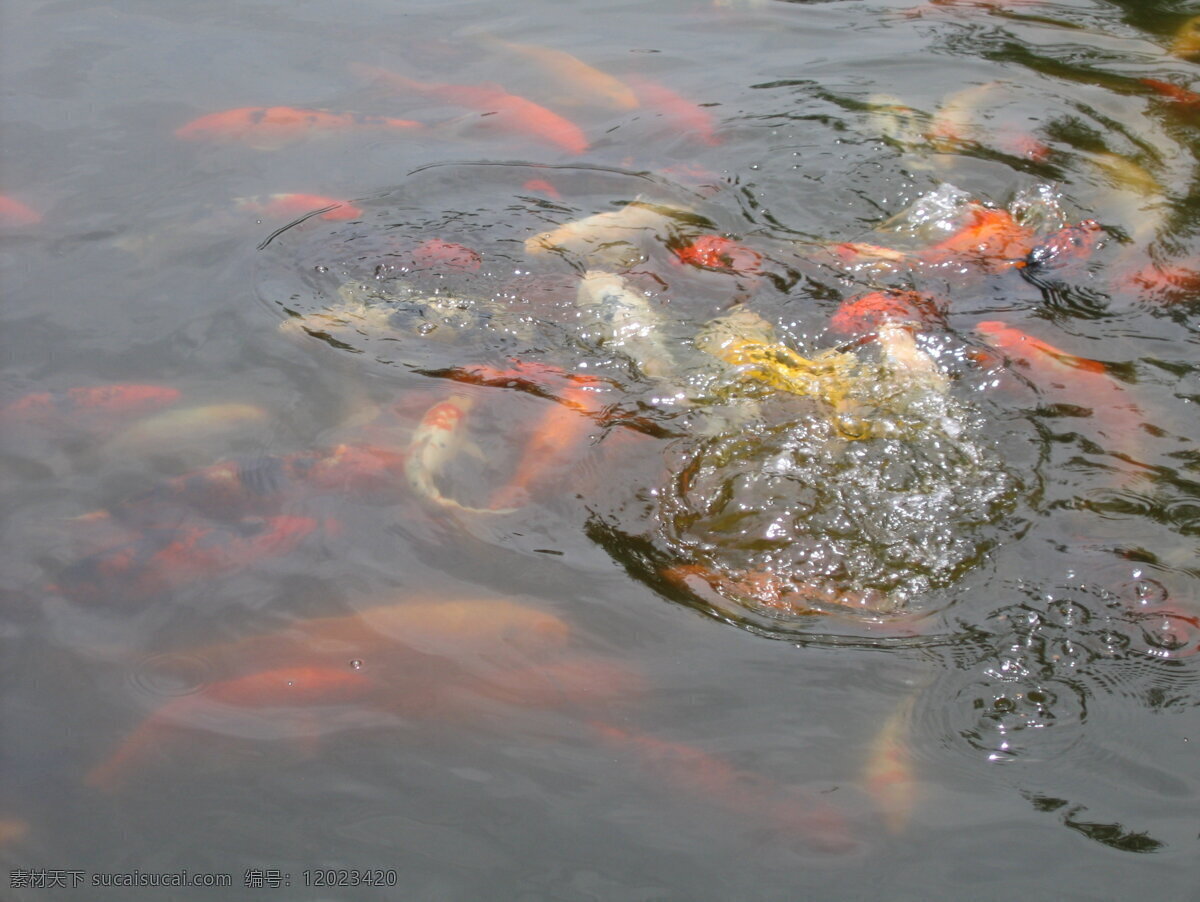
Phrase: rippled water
[688,606]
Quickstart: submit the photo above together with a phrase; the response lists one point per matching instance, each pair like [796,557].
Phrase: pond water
[441,534]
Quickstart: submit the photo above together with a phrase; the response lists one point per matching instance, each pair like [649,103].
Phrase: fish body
[573,81]
[183,426]
[889,776]
[266,128]
[559,436]
[679,112]
[864,314]
[436,254]
[1181,98]
[720,253]
[630,322]
[90,405]
[1066,378]
[282,205]
[614,236]
[789,814]
[507,111]
[992,239]
[416,657]
[167,558]
[1187,39]
[287,687]
[1070,244]
[15,213]
[1166,284]
[438,439]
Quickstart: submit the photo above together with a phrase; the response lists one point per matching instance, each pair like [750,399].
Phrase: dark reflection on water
[227,643]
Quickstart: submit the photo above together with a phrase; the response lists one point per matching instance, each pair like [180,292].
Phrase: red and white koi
[438,439]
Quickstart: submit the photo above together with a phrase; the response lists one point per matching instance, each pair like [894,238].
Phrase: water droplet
[356,664]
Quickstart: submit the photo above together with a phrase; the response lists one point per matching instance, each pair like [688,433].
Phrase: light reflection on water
[1046,694]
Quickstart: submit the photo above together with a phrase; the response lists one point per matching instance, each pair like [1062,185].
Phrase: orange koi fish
[720,253]
[15,213]
[677,110]
[438,438]
[992,240]
[266,128]
[573,80]
[99,403]
[167,558]
[434,253]
[288,687]
[397,641]
[1181,98]
[509,112]
[1163,284]
[541,186]
[291,205]
[563,429]
[866,313]
[1067,245]
[815,822]
[416,658]
[1066,378]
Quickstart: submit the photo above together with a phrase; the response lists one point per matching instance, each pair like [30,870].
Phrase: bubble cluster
[870,523]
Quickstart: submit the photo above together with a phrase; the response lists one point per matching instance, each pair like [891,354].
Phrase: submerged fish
[788,813]
[509,112]
[15,213]
[1064,378]
[425,658]
[178,429]
[888,775]
[680,113]
[438,439]
[1187,39]
[282,205]
[266,128]
[286,687]
[90,405]
[572,81]
[167,558]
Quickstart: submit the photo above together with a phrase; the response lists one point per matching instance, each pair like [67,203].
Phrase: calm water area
[354,534]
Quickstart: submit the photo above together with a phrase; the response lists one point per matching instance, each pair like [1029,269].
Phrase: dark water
[589,728]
